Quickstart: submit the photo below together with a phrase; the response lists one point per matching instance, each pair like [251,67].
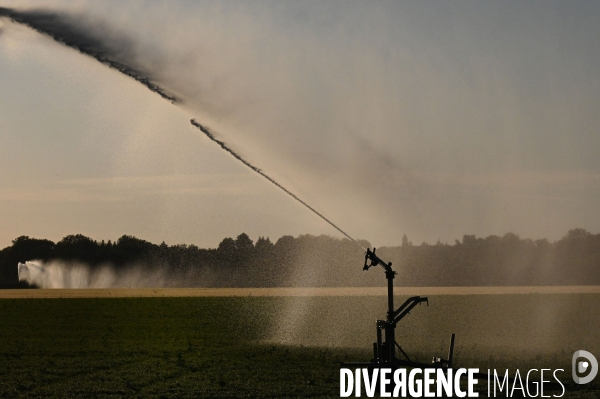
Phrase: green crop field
[267,347]
[153,347]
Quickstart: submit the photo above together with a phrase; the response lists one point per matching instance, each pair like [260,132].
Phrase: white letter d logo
[583,366]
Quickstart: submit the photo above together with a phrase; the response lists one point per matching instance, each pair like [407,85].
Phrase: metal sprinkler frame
[384,351]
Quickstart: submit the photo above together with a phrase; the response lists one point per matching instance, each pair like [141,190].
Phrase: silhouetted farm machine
[387,353]
[386,349]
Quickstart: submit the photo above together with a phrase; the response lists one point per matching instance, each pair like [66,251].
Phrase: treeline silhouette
[325,261]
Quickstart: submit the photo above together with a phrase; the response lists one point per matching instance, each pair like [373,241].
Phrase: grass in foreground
[162,348]
[153,347]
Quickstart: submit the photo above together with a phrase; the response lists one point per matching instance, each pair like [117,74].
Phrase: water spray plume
[65,30]
[224,146]
[59,274]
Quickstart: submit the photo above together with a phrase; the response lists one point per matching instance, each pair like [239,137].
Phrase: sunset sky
[430,119]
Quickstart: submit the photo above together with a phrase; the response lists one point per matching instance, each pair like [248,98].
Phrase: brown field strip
[289,291]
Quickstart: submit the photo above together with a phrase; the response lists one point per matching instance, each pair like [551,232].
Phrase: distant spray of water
[58,274]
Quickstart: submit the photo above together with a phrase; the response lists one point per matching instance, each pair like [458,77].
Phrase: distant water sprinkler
[387,353]
[26,271]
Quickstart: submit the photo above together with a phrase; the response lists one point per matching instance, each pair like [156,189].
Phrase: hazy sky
[431,119]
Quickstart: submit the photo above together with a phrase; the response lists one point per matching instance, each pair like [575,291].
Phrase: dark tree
[77,247]
[243,243]
[324,260]
[264,244]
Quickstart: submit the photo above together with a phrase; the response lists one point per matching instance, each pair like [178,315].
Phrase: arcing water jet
[65,30]
[224,146]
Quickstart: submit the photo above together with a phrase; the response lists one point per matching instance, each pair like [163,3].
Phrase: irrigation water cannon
[385,349]
[388,354]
